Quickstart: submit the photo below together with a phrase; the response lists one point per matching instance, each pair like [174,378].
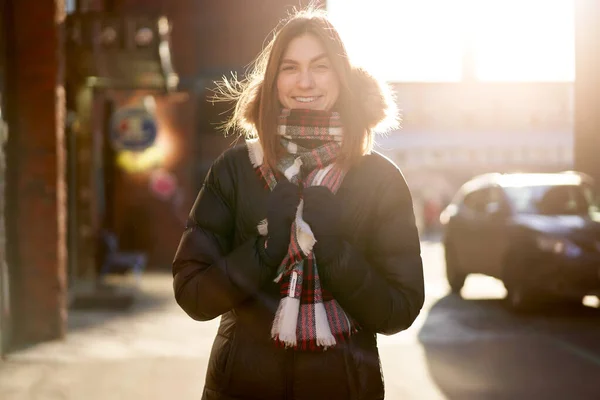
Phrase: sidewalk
[152,351]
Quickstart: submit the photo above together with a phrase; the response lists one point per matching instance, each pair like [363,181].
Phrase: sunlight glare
[426,40]
[525,40]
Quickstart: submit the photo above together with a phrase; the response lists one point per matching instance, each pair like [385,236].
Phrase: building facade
[65,178]
[209,40]
[453,131]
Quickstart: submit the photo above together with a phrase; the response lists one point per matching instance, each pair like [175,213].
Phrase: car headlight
[558,246]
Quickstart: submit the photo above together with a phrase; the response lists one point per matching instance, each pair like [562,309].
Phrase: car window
[477,200]
[591,197]
[549,200]
[498,197]
[522,199]
[563,200]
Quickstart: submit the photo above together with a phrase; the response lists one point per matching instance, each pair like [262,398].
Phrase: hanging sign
[133,129]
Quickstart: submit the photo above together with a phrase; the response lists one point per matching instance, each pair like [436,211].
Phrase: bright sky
[424,40]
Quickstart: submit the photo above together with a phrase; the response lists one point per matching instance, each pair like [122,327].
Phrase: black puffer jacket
[378,280]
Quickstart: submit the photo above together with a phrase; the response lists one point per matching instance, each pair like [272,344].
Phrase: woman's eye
[322,67]
[288,68]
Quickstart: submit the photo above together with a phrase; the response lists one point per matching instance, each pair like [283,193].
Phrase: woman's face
[306,78]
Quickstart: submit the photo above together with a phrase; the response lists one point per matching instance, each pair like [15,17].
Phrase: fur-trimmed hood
[379,105]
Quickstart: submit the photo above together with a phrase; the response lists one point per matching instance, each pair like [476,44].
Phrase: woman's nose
[305,79]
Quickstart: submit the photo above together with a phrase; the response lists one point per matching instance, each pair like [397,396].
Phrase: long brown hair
[363,102]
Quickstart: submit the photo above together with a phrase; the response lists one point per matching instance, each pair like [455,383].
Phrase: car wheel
[517,298]
[456,278]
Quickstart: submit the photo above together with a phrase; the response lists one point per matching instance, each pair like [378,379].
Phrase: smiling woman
[301,238]
[306,78]
[430,40]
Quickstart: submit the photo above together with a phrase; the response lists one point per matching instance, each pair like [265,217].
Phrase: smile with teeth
[306,99]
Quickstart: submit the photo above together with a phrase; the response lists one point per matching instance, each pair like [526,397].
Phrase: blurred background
[483,86]
[107,131]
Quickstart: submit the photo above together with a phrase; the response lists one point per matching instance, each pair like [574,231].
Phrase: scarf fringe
[285,324]
[325,338]
[286,321]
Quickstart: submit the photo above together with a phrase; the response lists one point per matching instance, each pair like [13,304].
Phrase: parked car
[537,232]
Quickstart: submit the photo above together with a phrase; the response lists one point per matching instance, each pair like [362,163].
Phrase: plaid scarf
[308,317]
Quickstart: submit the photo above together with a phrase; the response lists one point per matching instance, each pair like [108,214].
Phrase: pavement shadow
[120,299]
[477,349]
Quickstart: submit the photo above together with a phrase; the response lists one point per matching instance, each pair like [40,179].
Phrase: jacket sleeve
[211,278]
[383,287]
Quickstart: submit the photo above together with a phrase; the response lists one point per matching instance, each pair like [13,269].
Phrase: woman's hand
[281,212]
[323,213]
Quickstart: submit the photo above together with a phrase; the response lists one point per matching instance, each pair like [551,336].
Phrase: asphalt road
[471,347]
[467,348]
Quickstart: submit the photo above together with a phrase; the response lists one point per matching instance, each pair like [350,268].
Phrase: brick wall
[37,200]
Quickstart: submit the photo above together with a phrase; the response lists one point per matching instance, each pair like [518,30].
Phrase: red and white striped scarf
[308,317]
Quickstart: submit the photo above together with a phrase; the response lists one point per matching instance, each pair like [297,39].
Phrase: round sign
[133,129]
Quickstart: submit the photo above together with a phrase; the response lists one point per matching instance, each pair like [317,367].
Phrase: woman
[301,239]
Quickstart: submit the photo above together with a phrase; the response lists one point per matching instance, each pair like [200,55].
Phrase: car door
[467,239]
[492,234]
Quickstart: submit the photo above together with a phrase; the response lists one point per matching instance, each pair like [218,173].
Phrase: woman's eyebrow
[312,60]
